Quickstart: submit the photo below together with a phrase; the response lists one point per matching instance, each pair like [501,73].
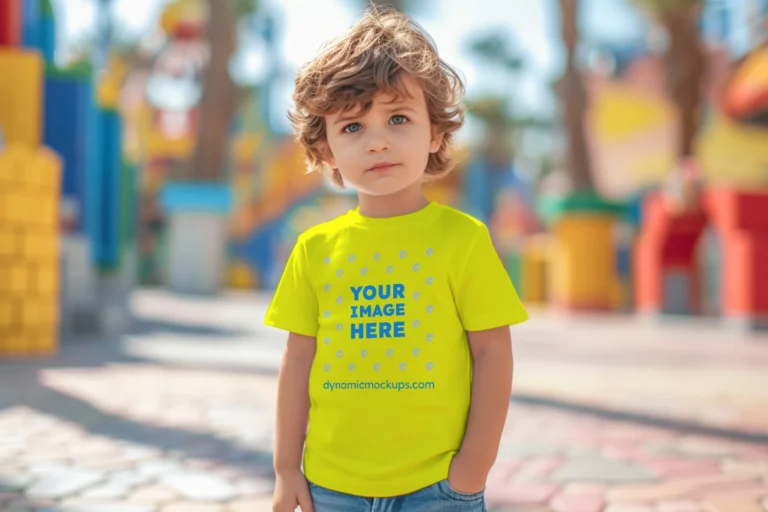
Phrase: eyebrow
[345,118]
[397,106]
[402,107]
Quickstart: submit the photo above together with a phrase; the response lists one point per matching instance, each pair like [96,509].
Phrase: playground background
[150,193]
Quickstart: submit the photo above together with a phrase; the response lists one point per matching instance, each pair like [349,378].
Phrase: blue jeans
[438,497]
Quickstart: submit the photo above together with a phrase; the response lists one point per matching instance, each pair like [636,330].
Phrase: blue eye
[398,119]
[353,127]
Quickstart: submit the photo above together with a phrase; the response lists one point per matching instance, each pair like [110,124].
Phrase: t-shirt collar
[405,220]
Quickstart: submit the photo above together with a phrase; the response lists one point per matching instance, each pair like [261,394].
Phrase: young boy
[399,356]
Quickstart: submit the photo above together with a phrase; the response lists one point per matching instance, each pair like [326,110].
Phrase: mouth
[382,166]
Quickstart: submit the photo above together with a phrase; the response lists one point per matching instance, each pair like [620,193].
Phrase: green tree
[496,48]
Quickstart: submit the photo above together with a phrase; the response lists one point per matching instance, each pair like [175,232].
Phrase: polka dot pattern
[378,264]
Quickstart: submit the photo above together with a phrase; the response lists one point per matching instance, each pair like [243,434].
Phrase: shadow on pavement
[609,413]
[22,385]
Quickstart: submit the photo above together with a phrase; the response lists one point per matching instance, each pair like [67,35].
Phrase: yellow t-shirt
[388,301]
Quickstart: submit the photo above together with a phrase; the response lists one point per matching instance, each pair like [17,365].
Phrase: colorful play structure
[66,203]
[625,248]
[86,157]
[694,245]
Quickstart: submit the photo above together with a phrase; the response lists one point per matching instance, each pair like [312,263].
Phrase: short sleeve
[485,296]
[294,303]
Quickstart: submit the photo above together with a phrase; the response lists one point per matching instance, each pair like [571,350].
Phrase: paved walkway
[682,371]
[178,417]
[693,372]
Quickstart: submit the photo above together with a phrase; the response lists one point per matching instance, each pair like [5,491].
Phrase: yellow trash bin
[583,262]
[534,269]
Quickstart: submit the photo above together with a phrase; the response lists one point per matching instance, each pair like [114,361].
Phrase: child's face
[386,150]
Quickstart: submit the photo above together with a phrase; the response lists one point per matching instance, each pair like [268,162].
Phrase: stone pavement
[691,372]
[178,417]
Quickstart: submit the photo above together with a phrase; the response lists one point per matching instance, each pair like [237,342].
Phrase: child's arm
[491,390]
[291,429]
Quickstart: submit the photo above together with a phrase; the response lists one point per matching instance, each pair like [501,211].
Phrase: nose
[377,141]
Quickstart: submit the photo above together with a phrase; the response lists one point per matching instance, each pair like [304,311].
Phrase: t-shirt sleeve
[294,304]
[485,295]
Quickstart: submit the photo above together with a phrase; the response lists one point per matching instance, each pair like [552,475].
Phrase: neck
[408,200]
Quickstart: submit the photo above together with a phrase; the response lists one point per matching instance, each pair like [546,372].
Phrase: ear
[436,141]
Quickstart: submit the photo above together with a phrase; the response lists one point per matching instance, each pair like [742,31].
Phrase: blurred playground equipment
[273,197]
[66,195]
[87,148]
[265,169]
[668,259]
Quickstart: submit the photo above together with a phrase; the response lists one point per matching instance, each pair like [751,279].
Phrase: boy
[398,358]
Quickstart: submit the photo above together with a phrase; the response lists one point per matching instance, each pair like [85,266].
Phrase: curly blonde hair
[371,58]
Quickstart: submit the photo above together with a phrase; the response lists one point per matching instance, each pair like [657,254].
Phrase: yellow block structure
[21,96]
[29,268]
[583,262]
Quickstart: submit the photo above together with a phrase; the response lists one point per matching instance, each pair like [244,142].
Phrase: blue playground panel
[66,132]
[38,28]
[31,11]
[259,247]
[47,37]
[107,198]
[71,129]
